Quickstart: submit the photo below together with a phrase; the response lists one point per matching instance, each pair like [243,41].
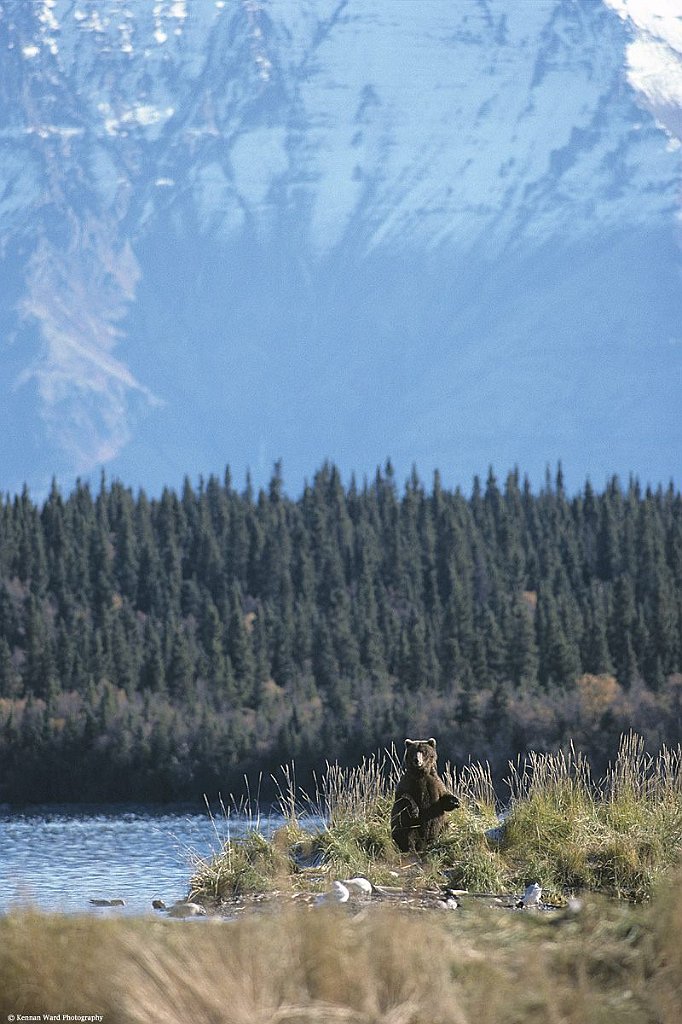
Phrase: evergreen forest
[159,648]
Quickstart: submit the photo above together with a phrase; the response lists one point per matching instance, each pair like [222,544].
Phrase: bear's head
[420,755]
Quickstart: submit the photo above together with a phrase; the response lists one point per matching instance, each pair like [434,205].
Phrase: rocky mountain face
[234,230]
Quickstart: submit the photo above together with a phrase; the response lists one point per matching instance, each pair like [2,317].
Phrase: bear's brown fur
[421,799]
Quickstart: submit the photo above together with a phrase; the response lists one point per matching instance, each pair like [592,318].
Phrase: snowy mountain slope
[654,57]
[237,230]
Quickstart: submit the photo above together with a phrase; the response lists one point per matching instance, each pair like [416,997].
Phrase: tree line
[157,648]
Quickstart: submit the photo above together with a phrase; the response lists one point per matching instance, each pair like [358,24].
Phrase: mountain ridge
[341,180]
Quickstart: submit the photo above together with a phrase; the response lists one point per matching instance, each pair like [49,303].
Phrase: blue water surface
[59,858]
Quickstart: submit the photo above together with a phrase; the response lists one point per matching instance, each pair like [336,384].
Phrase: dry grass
[612,962]
[562,828]
[615,835]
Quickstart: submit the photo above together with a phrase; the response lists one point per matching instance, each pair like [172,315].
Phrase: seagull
[359,884]
[531,896]
[446,899]
[338,894]
[182,909]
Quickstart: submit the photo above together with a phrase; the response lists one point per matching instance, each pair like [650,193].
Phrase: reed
[612,961]
[561,827]
[614,835]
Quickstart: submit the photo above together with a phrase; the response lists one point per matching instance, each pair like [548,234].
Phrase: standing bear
[421,799]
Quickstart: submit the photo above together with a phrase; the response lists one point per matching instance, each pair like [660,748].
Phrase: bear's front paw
[449,802]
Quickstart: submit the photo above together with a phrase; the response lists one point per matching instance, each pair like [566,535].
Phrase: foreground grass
[562,828]
[611,962]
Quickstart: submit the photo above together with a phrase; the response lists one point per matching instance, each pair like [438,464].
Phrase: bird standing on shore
[531,897]
[361,885]
[338,893]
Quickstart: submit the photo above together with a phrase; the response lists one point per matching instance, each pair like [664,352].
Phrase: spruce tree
[180,670]
[8,676]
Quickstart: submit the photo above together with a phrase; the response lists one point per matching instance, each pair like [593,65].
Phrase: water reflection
[59,858]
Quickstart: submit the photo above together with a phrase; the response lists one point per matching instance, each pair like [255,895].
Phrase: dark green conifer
[8,676]
[152,670]
[239,649]
[180,669]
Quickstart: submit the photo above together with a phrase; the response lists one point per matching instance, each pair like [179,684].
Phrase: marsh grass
[613,961]
[562,827]
[613,835]
[344,822]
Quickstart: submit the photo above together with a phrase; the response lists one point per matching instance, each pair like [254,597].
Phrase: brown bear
[421,799]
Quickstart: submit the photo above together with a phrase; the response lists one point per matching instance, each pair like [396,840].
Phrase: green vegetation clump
[613,836]
[254,864]
[561,828]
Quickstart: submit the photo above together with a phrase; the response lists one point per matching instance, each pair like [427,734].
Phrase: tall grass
[344,823]
[561,827]
[611,962]
[615,834]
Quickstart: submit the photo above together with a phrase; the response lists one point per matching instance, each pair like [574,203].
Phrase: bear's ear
[410,743]
[432,743]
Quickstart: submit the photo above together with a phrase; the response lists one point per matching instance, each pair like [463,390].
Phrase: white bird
[359,884]
[338,894]
[531,896]
[446,899]
[183,909]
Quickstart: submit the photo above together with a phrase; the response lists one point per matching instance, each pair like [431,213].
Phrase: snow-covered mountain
[440,230]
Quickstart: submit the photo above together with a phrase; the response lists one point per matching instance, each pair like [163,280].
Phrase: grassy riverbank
[563,828]
[292,962]
[611,962]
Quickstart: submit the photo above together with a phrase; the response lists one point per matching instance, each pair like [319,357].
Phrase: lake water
[58,858]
